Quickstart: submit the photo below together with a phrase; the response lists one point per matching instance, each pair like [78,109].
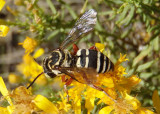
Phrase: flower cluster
[29,66]
[114,83]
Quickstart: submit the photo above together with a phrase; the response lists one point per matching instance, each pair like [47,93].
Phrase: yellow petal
[122,58]
[4,91]
[11,109]
[133,101]
[89,103]
[77,105]
[44,104]
[100,46]
[133,80]
[38,53]
[2,2]
[3,30]
[144,111]
[3,110]
[63,105]
[156,101]
[106,110]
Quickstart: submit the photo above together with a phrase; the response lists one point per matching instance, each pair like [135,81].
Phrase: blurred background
[129,27]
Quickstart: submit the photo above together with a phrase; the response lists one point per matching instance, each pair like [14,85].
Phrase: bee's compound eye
[54,58]
[50,74]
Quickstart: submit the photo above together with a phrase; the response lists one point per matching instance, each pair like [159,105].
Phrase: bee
[83,65]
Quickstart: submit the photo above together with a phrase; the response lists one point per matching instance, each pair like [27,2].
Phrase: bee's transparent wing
[83,25]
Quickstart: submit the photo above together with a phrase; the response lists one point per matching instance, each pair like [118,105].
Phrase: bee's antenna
[36,61]
[34,80]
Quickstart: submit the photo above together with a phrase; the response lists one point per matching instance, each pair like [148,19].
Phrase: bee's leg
[100,89]
[65,71]
[63,77]
[67,82]
[94,86]
[75,49]
[93,48]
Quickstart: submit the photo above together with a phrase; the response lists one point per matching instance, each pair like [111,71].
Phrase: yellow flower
[44,104]
[126,84]
[63,105]
[30,68]
[90,95]
[24,102]
[126,105]
[5,93]
[29,44]
[75,96]
[3,30]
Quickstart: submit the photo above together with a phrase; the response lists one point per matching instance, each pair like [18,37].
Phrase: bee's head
[50,62]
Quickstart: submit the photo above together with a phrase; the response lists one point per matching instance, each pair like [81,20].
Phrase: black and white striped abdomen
[87,58]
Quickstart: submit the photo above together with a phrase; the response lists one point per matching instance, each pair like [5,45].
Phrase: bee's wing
[82,75]
[86,75]
[83,25]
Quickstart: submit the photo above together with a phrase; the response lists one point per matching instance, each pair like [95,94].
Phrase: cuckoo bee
[82,65]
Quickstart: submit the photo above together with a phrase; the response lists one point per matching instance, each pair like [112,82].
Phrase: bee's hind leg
[100,89]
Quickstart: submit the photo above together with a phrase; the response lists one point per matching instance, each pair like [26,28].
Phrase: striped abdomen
[87,58]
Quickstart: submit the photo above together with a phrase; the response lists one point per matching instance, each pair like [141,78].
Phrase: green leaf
[156,44]
[84,6]
[53,34]
[154,28]
[51,5]
[143,53]
[146,75]
[123,14]
[98,26]
[125,33]
[145,66]
[73,14]
[155,35]
[129,17]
